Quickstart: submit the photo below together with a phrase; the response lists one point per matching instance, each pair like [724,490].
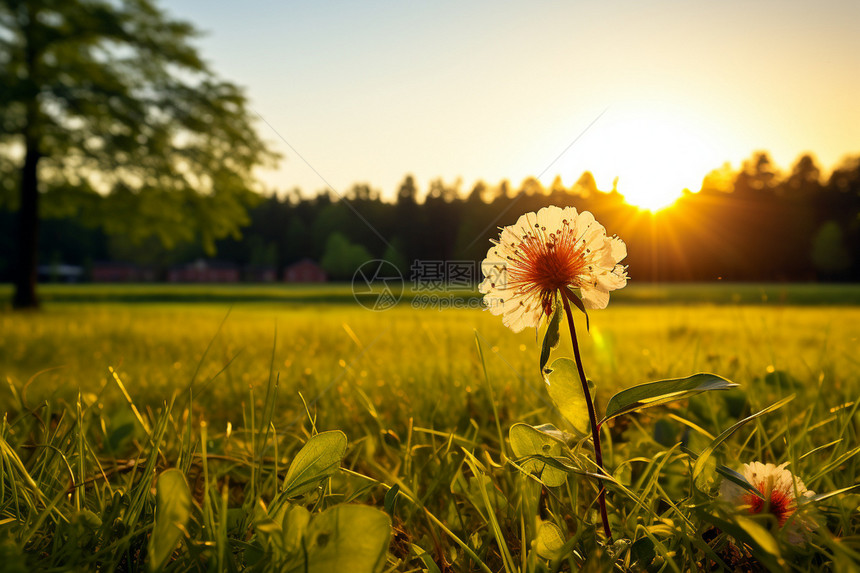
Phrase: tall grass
[426,414]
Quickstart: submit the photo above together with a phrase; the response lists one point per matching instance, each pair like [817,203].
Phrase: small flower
[546,251]
[781,491]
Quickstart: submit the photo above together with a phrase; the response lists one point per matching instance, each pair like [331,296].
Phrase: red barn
[115,272]
[202,271]
[305,271]
[260,274]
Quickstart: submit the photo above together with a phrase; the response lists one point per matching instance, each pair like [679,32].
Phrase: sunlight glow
[652,155]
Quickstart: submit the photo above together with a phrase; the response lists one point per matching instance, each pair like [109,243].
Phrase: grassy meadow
[109,386]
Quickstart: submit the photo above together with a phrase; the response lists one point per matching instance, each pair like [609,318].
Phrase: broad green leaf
[643,552]
[294,524]
[529,441]
[344,538]
[172,510]
[317,460]
[565,389]
[706,453]
[565,437]
[551,338]
[549,540]
[653,394]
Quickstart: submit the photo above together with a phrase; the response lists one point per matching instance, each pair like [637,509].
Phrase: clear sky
[370,91]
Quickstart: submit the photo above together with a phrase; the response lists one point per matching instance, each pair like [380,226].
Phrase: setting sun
[650,155]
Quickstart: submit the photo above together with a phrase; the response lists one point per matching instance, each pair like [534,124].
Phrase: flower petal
[618,248]
[595,298]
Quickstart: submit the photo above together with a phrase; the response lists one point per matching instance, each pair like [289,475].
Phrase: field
[228,383]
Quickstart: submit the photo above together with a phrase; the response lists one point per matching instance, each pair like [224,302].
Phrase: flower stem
[592,416]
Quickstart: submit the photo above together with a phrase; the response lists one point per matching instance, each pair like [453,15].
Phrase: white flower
[781,491]
[546,251]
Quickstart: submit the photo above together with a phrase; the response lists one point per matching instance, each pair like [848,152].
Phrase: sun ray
[650,154]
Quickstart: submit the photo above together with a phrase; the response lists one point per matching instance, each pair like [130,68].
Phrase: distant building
[202,271]
[116,272]
[60,273]
[305,271]
[260,274]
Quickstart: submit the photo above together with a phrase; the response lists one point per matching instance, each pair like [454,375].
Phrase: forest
[755,223]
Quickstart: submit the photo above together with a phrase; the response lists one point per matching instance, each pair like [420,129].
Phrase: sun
[650,155]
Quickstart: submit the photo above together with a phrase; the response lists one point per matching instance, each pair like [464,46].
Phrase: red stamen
[542,264]
[779,505]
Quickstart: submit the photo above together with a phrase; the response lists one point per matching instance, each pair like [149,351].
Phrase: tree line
[756,223]
[119,143]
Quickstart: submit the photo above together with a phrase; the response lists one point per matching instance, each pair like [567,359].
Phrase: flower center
[778,504]
[546,262]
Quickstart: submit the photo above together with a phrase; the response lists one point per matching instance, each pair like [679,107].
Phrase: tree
[828,249]
[758,174]
[805,178]
[111,99]
[342,258]
[585,186]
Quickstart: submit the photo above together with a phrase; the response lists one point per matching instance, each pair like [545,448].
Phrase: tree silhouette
[805,178]
[111,98]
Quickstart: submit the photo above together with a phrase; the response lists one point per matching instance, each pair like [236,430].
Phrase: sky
[654,93]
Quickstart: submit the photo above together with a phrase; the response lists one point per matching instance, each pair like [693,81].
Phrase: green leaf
[829,494]
[738,479]
[643,552]
[565,389]
[172,510]
[565,437]
[552,336]
[706,453]
[269,528]
[653,394]
[345,537]
[391,499]
[426,559]
[549,540]
[317,460]
[528,441]
[294,524]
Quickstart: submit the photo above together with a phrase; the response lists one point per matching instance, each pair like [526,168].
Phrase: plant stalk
[592,416]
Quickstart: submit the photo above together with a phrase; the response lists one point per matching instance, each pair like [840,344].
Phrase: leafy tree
[342,258]
[828,249]
[476,195]
[408,217]
[531,186]
[720,180]
[757,175]
[805,178]
[110,99]
[393,254]
[585,186]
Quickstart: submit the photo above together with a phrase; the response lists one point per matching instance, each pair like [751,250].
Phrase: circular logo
[377,285]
